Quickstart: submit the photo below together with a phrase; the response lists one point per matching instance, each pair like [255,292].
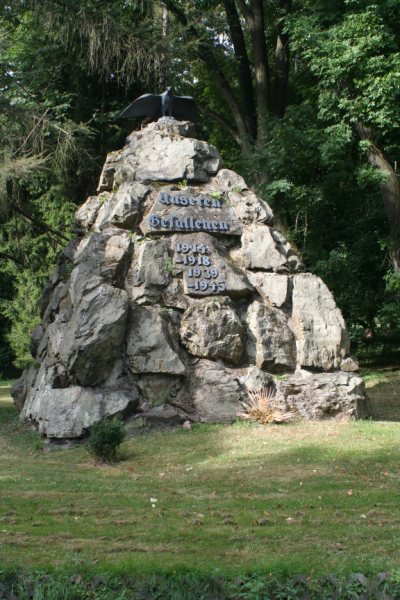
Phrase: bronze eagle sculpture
[163,105]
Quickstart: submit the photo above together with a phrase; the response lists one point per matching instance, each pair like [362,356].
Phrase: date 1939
[201,273]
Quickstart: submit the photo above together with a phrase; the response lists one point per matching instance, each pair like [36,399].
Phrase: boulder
[322,395]
[271,344]
[254,379]
[213,330]
[212,393]
[149,271]
[165,155]
[123,208]
[89,344]
[349,364]
[266,249]
[106,183]
[158,416]
[250,208]
[86,215]
[150,343]
[22,386]
[159,390]
[318,325]
[226,180]
[273,288]
[70,412]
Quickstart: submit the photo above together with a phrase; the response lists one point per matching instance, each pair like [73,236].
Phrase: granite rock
[213,330]
[318,325]
[271,344]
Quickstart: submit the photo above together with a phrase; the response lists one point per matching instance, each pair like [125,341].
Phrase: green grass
[308,497]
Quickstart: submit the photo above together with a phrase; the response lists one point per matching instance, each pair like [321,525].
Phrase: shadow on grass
[384,399]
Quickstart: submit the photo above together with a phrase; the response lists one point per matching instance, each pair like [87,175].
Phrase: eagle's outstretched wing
[148,105]
[185,109]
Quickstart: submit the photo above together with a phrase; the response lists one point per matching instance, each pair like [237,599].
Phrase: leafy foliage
[105,439]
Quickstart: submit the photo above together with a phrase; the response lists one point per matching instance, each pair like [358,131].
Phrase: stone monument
[176,297]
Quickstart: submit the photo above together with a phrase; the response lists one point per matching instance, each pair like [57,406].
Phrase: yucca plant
[259,408]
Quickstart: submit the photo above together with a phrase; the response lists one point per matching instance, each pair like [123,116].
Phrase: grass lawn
[314,498]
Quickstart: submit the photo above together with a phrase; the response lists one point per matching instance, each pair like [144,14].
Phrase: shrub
[105,438]
[259,408]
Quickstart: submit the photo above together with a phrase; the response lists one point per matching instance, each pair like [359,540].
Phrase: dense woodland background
[300,96]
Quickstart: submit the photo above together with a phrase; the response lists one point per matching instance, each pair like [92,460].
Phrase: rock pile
[178,295]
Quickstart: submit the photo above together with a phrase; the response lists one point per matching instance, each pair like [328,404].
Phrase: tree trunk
[282,63]
[205,52]
[390,189]
[245,78]
[254,15]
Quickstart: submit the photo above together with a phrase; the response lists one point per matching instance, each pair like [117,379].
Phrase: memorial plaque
[176,211]
[207,270]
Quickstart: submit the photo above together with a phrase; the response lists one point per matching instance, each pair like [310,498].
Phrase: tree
[231,38]
[65,68]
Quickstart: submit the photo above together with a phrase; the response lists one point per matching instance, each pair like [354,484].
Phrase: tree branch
[5,256]
[390,189]
[41,225]
[223,122]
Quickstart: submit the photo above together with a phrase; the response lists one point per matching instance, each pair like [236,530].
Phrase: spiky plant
[259,408]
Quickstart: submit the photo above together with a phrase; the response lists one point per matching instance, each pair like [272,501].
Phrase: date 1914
[201,275]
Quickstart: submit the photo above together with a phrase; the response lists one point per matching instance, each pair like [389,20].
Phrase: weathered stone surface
[107,176]
[320,331]
[36,337]
[159,389]
[213,330]
[90,342]
[86,215]
[218,272]
[157,417]
[212,393]
[322,395]
[150,343]
[100,257]
[226,180]
[164,156]
[349,364]
[174,297]
[22,386]
[57,302]
[149,272]
[271,344]
[272,287]
[123,208]
[255,379]
[266,249]
[185,211]
[70,412]
[250,208]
